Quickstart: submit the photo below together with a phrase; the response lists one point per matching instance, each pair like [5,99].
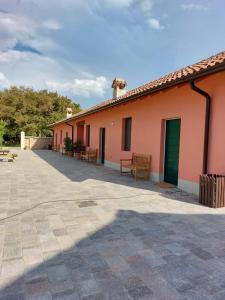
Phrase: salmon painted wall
[148,125]
[57,131]
[215,86]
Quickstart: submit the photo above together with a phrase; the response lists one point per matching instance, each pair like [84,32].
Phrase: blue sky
[77,47]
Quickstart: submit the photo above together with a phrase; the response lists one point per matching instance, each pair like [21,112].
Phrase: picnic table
[4,151]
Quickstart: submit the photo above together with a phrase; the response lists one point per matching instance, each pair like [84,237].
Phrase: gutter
[72,129]
[207,123]
[153,90]
[147,92]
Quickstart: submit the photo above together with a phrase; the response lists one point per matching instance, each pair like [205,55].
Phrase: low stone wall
[32,142]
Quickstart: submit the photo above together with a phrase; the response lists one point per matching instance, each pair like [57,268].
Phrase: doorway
[102,145]
[172,147]
[80,133]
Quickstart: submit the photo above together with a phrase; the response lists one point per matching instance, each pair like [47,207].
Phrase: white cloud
[42,44]
[81,87]
[13,56]
[76,4]
[4,82]
[33,70]
[118,3]
[155,24]
[193,6]
[18,28]
[147,5]
[52,24]
[13,29]
[30,69]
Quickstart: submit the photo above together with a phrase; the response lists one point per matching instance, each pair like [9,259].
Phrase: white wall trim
[188,186]
[154,176]
[112,165]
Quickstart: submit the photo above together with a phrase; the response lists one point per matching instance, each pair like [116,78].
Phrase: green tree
[24,109]
[2,131]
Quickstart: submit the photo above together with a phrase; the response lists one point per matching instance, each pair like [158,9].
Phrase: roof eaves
[150,91]
[146,91]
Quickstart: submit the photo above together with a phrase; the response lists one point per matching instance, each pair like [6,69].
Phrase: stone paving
[71,230]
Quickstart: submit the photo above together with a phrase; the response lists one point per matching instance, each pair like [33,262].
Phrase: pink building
[178,119]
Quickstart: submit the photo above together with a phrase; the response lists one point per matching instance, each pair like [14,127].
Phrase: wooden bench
[90,155]
[80,153]
[4,151]
[138,166]
[9,157]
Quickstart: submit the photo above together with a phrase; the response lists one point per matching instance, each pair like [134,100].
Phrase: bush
[68,144]
[2,131]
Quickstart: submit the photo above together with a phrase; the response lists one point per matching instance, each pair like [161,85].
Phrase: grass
[10,146]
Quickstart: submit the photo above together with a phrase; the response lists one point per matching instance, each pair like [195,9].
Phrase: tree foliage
[23,109]
[2,131]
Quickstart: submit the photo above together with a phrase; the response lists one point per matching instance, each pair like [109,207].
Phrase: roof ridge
[172,77]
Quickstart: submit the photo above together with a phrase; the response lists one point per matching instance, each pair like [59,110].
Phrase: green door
[172,146]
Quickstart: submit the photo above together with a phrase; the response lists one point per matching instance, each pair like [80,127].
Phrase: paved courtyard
[70,230]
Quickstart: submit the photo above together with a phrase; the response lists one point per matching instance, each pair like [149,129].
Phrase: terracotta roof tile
[188,72]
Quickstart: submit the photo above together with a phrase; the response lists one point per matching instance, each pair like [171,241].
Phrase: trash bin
[212,190]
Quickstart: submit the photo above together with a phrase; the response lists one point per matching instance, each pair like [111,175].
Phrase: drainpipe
[53,138]
[207,123]
[72,130]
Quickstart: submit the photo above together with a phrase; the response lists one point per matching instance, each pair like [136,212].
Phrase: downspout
[207,123]
[53,138]
[72,130]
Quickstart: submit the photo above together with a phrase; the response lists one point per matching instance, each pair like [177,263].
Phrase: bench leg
[125,172]
[144,176]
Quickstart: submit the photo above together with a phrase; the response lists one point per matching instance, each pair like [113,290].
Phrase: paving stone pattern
[72,230]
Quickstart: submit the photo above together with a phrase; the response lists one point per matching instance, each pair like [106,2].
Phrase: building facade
[179,120]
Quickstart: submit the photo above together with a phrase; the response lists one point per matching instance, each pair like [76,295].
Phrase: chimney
[119,87]
[69,112]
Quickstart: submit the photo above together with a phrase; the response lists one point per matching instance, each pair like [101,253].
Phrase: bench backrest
[4,151]
[141,160]
[92,151]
